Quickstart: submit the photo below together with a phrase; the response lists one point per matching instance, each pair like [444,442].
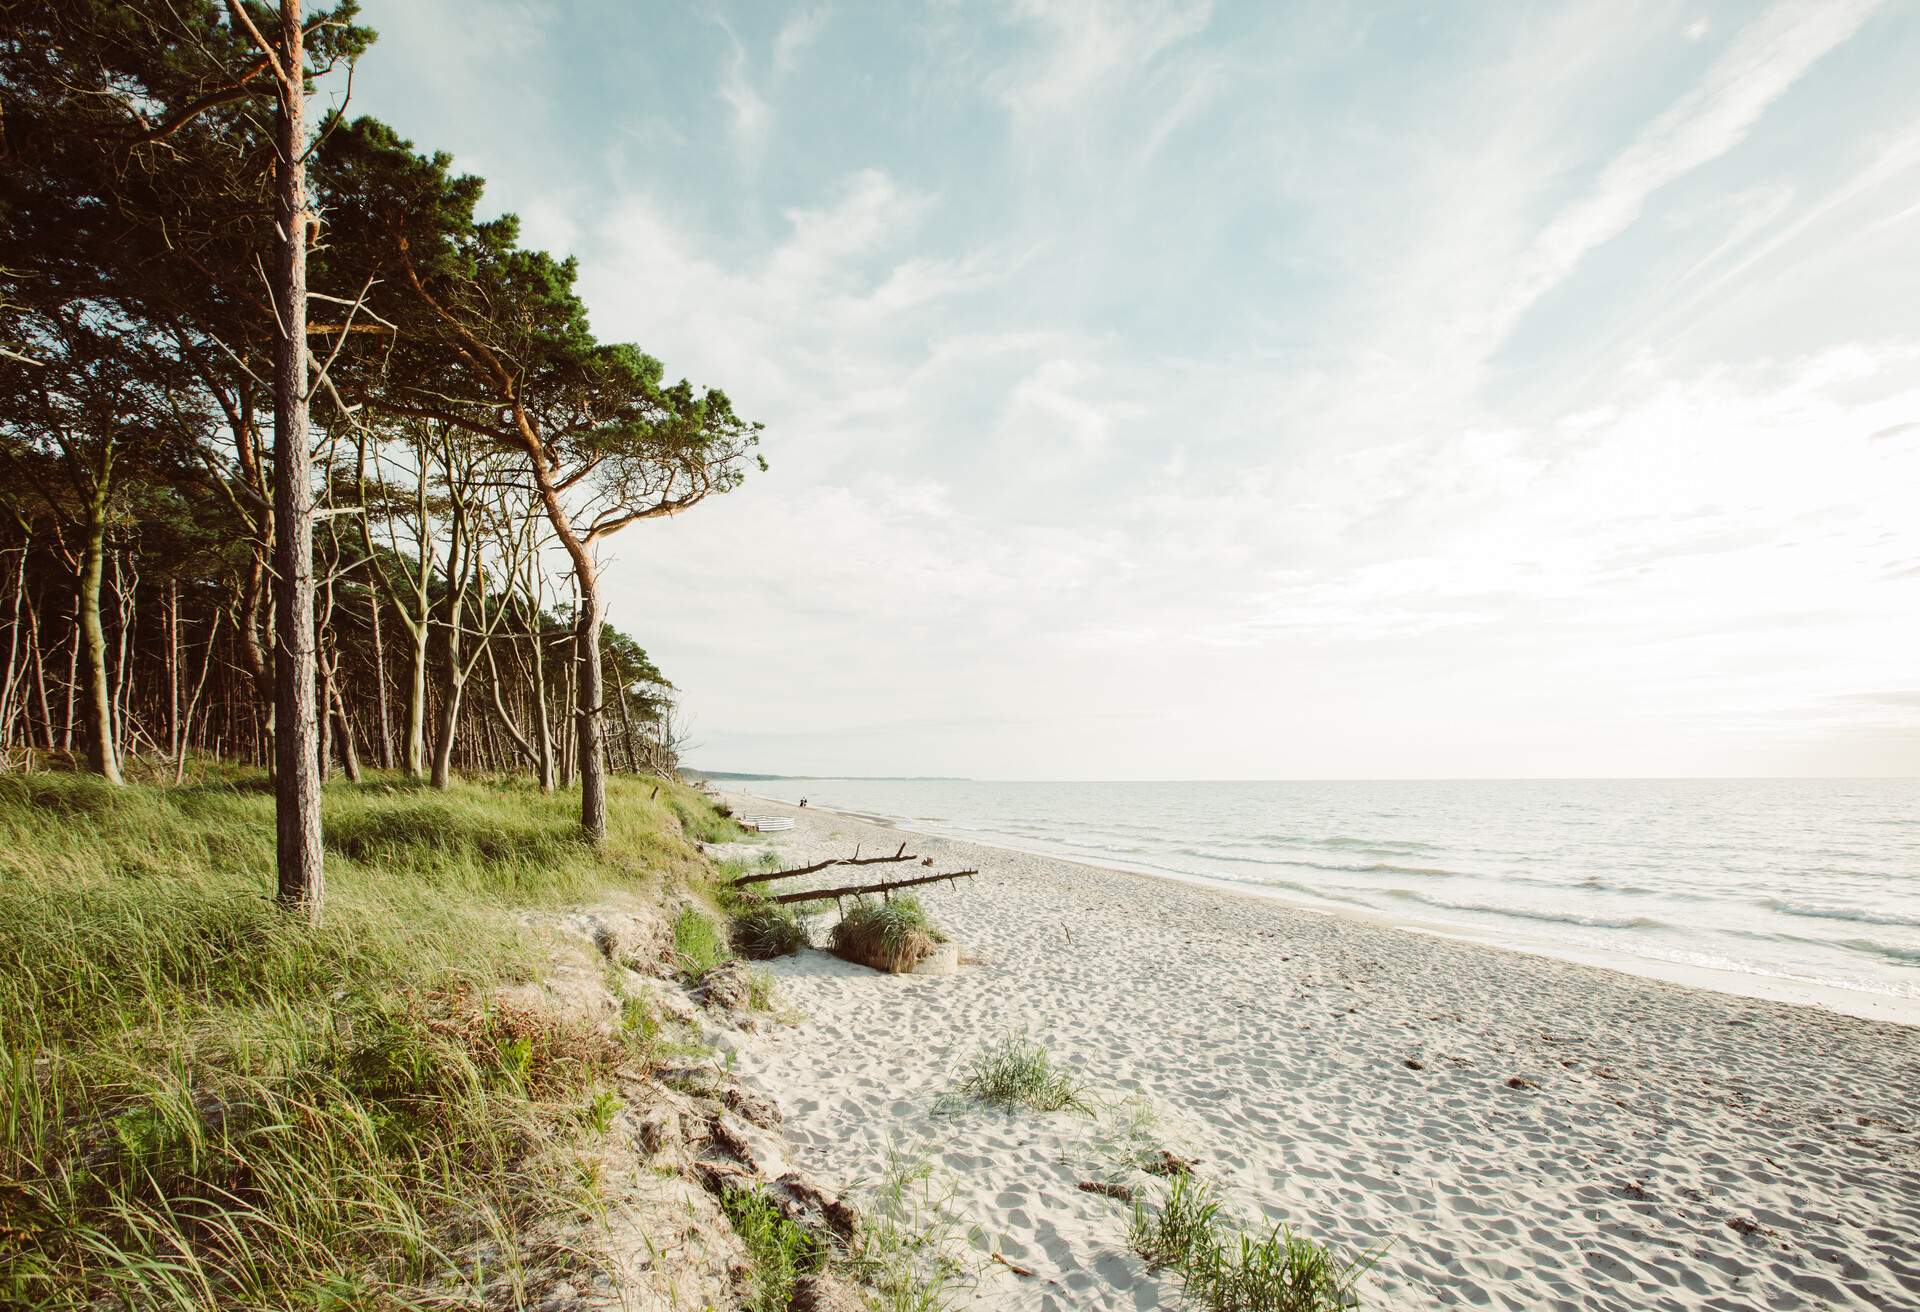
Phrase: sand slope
[1669,1147]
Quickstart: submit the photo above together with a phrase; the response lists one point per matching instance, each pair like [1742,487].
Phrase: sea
[1732,883]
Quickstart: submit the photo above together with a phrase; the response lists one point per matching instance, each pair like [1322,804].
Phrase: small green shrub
[1225,1270]
[781,1252]
[1015,1071]
[893,934]
[697,945]
[763,930]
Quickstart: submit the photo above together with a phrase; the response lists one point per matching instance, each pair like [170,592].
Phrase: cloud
[1405,407]
[751,119]
[796,35]
[1765,59]
[1087,44]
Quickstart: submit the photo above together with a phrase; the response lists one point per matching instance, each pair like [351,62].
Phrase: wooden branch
[855,860]
[855,890]
[221,95]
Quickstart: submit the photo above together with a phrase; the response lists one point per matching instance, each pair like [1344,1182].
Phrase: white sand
[1274,1042]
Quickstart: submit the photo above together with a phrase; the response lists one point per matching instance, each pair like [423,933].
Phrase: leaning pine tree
[492,339]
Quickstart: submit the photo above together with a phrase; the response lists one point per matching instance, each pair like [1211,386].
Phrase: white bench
[767,824]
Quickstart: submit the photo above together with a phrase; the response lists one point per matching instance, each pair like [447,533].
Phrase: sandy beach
[1519,1132]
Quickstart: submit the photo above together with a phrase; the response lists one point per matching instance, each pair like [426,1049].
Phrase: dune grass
[698,945]
[762,930]
[1015,1071]
[911,1252]
[1226,1270]
[203,1104]
[780,1251]
[891,934]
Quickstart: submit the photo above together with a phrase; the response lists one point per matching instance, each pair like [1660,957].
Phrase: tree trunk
[458,552]
[74,643]
[16,657]
[296,736]
[380,678]
[253,653]
[588,709]
[40,670]
[193,702]
[417,704]
[569,742]
[626,719]
[444,732]
[123,738]
[99,695]
[173,668]
[543,726]
[323,698]
[349,750]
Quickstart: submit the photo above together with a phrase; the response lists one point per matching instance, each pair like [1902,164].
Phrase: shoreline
[1790,990]
[1524,1131]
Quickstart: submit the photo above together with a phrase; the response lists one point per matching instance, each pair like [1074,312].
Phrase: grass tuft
[1226,1270]
[910,1251]
[1015,1071]
[780,1251]
[892,934]
[762,930]
[697,944]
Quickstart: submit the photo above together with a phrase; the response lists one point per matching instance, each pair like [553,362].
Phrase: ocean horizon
[1763,885]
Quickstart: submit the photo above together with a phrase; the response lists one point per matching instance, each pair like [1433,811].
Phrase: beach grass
[698,944]
[780,1251]
[208,1104]
[762,930]
[1015,1071]
[1223,1269]
[891,934]
[911,1252]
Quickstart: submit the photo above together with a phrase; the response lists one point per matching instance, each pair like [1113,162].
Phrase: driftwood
[855,890]
[855,860]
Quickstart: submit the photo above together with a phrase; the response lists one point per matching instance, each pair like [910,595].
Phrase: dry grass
[892,935]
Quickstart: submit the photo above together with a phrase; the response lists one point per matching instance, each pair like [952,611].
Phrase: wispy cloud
[1356,401]
[1085,45]
[796,35]
[1763,62]
[751,119]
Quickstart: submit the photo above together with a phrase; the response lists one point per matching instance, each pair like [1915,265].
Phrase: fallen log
[855,860]
[855,890]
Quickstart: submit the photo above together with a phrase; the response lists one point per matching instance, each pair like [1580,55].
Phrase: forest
[306,463]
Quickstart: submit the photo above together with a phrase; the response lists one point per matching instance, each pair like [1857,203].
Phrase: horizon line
[748,776]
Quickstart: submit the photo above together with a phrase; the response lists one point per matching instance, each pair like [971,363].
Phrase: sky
[1164,389]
